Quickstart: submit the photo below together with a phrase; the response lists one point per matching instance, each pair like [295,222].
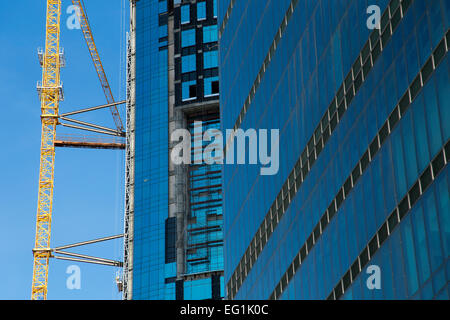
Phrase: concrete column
[177,173]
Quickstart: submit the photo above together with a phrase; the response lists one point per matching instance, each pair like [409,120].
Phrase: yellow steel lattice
[85,27]
[50,96]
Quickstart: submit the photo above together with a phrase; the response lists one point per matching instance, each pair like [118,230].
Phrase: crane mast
[50,91]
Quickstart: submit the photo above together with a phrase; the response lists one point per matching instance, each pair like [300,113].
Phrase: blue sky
[89,184]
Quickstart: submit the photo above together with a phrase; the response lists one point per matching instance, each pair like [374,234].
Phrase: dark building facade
[174,233]
[360,206]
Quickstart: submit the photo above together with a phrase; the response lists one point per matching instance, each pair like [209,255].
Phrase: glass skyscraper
[174,238]
[360,206]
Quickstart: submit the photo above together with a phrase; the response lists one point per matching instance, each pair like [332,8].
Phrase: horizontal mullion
[329,121]
[434,168]
[363,164]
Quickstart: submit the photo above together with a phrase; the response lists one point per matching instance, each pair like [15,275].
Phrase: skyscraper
[173,224]
[360,206]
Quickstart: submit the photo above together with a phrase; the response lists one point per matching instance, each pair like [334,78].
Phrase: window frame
[182,8]
[203,3]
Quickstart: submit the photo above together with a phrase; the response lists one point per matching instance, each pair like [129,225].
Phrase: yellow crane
[84,23]
[50,93]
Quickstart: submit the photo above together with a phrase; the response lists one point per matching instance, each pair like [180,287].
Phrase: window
[210,60]
[209,34]
[188,38]
[162,31]
[170,240]
[185,14]
[188,63]
[162,6]
[211,86]
[162,42]
[201,10]
[188,90]
[215,8]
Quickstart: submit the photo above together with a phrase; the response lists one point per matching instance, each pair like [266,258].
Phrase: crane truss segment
[92,108]
[58,253]
[49,97]
[92,260]
[85,27]
[79,244]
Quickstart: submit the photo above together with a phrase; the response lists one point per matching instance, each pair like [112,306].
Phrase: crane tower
[50,91]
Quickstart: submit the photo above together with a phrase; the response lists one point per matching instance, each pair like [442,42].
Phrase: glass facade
[205,223]
[151,154]
[178,244]
[205,230]
[364,120]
